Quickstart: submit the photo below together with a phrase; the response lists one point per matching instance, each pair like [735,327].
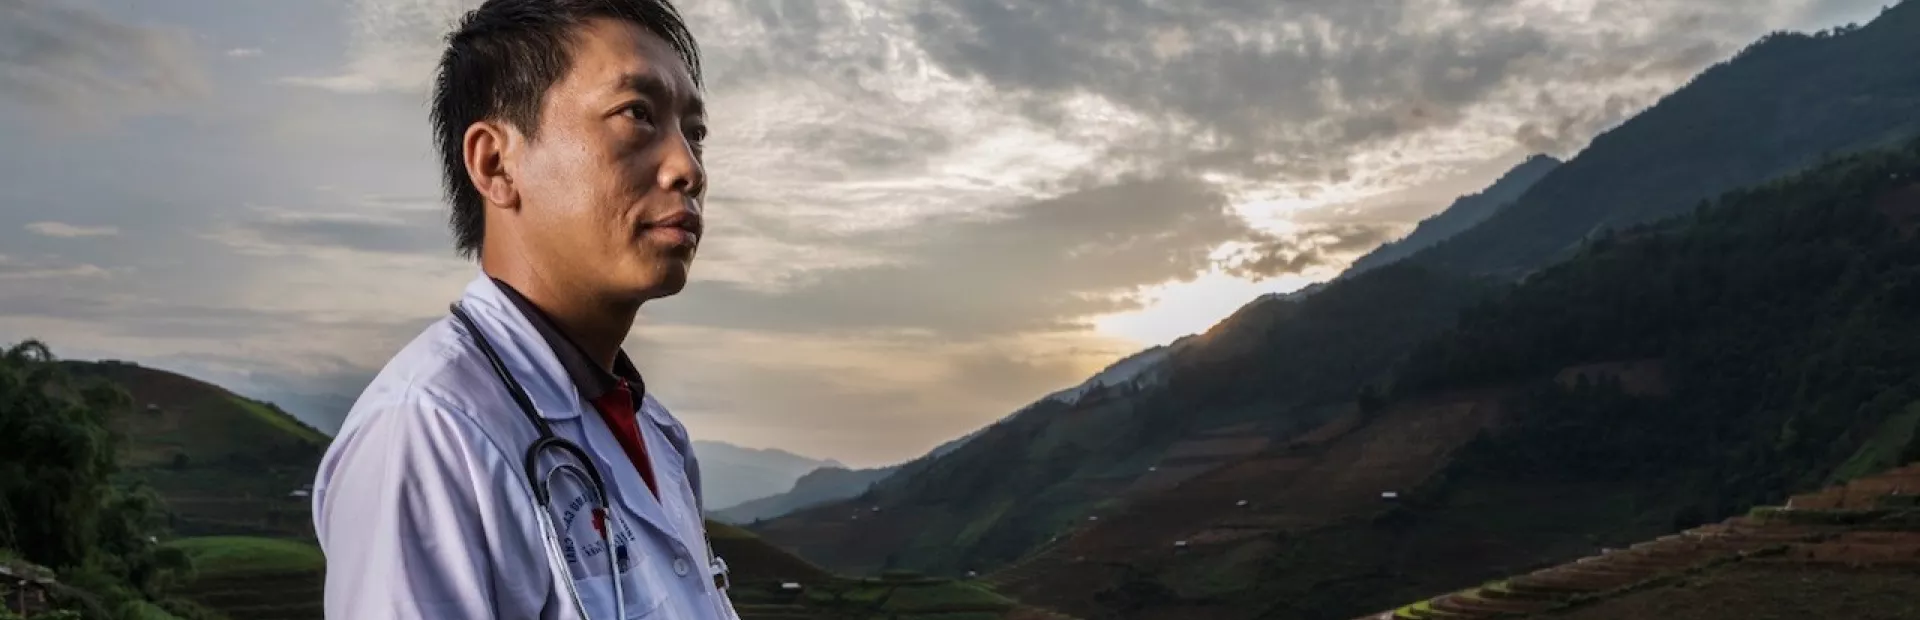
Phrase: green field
[246,577]
[227,555]
[914,599]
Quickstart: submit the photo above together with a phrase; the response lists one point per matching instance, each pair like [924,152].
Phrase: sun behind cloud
[1177,309]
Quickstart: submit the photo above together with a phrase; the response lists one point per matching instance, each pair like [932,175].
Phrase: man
[570,133]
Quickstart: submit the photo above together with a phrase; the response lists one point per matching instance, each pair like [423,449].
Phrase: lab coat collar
[556,396]
[522,350]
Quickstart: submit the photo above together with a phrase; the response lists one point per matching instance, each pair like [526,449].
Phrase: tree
[55,457]
[58,504]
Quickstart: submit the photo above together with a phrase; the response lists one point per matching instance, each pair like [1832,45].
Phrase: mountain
[1295,373]
[731,474]
[1132,371]
[99,461]
[1466,212]
[1779,106]
[833,483]
[1023,479]
[225,464]
[1666,377]
[817,487]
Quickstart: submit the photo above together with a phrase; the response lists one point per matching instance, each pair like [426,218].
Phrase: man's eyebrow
[649,84]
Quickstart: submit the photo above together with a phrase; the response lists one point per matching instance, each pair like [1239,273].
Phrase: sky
[923,214]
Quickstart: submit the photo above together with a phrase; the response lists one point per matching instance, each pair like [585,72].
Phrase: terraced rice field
[1334,472]
[256,578]
[900,599]
[295,595]
[1850,551]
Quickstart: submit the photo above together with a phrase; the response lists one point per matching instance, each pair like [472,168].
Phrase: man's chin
[660,282]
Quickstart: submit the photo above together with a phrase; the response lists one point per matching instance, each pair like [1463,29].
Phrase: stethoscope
[605,517]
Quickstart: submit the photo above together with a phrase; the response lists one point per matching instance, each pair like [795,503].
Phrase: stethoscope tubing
[541,484]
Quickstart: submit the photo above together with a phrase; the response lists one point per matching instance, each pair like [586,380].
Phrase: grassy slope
[223,463]
[220,556]
[249,577]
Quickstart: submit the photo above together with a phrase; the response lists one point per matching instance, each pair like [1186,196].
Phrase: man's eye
[639,113]
[697,135]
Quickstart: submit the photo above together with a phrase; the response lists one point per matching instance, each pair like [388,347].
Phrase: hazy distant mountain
[1463,214]
[820,486]
[837,483]
[731,474]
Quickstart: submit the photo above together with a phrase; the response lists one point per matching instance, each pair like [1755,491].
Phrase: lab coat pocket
[641,596]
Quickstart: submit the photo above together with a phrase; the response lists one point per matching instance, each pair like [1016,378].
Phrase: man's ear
[488,148]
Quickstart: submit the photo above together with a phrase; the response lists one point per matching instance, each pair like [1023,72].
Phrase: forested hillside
[1665,377]
[225,464]
[1781,105]
[61,503]
[1785,318]
[1275,369]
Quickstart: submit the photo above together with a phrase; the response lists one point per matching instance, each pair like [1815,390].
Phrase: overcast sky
[924,213]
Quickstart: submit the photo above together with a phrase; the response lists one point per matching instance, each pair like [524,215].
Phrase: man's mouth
[679,229]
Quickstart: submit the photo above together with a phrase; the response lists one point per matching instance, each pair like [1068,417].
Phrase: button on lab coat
[423,507]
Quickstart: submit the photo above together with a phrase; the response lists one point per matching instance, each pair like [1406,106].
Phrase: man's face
[611,186]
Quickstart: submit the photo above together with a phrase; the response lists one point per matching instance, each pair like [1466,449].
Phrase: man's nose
[680,167]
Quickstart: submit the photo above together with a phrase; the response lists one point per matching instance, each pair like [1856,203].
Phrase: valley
[1675,375]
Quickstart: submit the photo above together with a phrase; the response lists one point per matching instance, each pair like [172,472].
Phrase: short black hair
[499,62]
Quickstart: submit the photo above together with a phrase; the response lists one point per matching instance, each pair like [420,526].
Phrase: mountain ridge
[839,483]
[1547,443]
[1778,106]
[1465,212]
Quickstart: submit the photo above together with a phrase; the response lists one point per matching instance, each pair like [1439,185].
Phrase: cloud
[74,62]
[1042,266]
[381,226]
[874,114]
[18,269]
[393,46]
[1250,85]
[68,231]
[1321,246]
[244,52]
[133,315]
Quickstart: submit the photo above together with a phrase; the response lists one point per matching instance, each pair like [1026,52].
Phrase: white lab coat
[423,508]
